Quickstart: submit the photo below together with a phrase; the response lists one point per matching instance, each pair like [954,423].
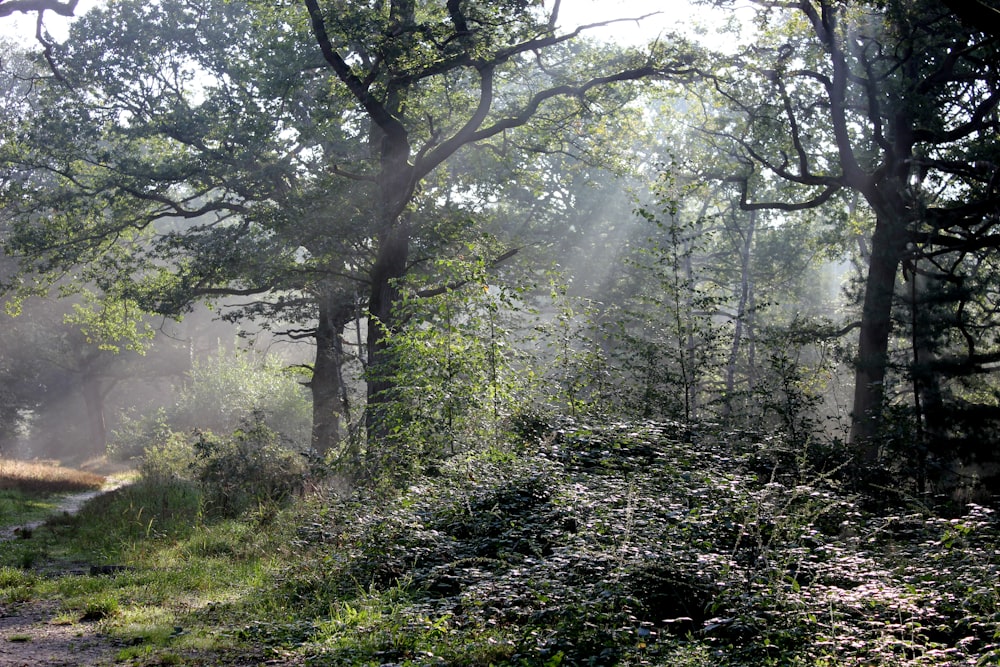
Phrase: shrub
[246,470]
[234,473]
[232,387]
[136,435]
[172,459]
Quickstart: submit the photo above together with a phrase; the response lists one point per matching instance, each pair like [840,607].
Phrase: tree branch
[376,110]
[435,291]
[977,15]
[471,132]
[8,7]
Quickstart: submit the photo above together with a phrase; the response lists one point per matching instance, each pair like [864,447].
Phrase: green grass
[19,507]
[176,568]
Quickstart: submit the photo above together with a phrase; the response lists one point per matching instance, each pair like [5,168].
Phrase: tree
[180,168]
[893,101]
[165,190]
[390,58]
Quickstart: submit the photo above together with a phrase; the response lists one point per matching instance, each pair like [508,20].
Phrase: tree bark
[326,384]
[887,247]
[396,186]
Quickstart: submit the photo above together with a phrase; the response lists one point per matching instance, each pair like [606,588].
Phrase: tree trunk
[873,344]
[93,399]
[692,385]
[390,266]
[326,379]
[887,197]
[743,311]
[396,186]
[928,398]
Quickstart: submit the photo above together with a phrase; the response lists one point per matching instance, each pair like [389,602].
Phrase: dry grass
[45,477]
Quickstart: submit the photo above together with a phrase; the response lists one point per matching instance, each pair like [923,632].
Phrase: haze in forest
[436,333]
[651,225]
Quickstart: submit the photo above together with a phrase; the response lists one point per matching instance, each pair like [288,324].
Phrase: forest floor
[606,545]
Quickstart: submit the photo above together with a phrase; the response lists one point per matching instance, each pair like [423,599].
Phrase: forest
[417,332]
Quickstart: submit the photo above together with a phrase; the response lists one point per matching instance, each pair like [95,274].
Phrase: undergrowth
[611,544]
[637,544]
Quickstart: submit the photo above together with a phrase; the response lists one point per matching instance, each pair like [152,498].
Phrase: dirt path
[71,504]
[29,635]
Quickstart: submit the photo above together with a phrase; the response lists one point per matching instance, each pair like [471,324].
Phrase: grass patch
[40,477]
[19,507]
[100,607]
[144,563]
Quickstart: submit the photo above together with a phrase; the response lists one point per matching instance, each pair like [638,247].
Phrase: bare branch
[435,291]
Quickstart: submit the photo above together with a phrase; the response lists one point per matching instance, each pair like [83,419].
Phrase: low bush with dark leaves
[646,543]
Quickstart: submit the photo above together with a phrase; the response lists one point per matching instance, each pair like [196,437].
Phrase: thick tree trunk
[326,379]
[873,344]
[888,199]
[396,186]
[390,266]
[927,392]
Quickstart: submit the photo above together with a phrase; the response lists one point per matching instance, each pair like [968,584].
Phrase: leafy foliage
[641,543]
[220,394]
[248,469]
[455,366]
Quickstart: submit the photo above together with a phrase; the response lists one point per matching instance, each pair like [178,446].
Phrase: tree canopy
[349,175]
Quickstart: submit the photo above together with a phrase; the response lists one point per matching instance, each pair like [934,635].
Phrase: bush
[231,388]
[235,473]
[247,470]
[172,459]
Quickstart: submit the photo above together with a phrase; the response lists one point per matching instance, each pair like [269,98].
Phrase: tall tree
[894,101]
[396,57]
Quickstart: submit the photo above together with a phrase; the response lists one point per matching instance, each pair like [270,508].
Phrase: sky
[21,27]
[662,16]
